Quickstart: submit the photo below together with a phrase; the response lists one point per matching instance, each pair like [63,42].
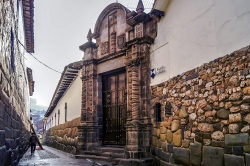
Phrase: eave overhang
[28,17]
[67,78]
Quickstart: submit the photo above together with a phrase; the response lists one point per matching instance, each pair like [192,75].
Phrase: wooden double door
[114,92]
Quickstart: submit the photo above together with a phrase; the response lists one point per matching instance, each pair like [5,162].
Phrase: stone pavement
[52,157]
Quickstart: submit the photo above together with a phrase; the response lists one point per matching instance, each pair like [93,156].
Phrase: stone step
[119,161]
[117,155]
[134,162]
[92,153]
[109,149]
[108,159]
[106,154]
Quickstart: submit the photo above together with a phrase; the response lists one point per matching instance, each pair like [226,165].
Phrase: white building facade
[66,102]
[194,32]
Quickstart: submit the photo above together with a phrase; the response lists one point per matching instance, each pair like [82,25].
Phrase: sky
[60,27]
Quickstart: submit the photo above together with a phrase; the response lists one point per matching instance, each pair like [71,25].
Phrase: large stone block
[163,163]
[2,155]
[177,138]
[236,139]
[8,132]
[175,125]
[233,118]
[1,110]
[169,136]
[2,138]
[195,153]
[2,124]
[232,160]
[247,158]
[162,137]
[164,146]
[205,127]
[165,156]
[223,114]
[182,156]
[212,155]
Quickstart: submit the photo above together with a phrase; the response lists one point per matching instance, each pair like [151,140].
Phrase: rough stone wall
[63,137]
[14,95]
[207,116]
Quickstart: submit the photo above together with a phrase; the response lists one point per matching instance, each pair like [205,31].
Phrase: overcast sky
[61,26]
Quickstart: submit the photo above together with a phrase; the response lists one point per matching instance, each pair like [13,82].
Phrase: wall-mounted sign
[157,71]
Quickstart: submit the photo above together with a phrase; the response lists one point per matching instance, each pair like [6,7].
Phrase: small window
[55,119]
[157,109]
[58,117]
[66,112]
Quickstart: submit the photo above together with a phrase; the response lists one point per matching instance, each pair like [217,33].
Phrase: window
[157,109]
[55,119]
[66,112]
[58,117]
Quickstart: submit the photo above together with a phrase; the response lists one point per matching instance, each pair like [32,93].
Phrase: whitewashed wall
[73,99]
[194,32]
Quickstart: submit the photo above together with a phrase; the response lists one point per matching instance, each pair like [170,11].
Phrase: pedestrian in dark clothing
[33,141]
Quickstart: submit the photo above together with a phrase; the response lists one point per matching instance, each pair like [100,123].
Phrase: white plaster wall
[194,32]
[73,98]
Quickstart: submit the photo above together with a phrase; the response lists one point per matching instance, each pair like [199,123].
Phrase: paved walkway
[52,157]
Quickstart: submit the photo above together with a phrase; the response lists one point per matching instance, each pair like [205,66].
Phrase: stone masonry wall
[14,94]
[205,114]
[63,137]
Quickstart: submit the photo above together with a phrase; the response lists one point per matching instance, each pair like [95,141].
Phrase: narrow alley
[52,157]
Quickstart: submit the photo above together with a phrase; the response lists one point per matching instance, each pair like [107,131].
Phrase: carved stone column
[134,126]
[88,130]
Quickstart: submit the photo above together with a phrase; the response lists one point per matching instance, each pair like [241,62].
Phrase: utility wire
[38,59]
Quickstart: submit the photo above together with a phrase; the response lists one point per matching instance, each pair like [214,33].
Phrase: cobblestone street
[53,157]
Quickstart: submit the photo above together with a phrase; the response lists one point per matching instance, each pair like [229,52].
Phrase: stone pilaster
[88,130]
[138,130]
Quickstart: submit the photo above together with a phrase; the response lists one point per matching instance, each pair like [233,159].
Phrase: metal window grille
[157,109]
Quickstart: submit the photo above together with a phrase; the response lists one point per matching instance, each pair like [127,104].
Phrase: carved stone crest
[121,41]
[104,47]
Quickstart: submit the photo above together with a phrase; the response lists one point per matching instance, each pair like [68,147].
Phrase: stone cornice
[86,45]
[112,56]
[145,39]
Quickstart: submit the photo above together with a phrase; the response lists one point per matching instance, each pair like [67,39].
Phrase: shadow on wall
[63,137]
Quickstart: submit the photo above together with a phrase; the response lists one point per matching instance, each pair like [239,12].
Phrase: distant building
[16,81]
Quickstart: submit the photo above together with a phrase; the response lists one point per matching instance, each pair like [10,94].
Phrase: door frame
[110,74]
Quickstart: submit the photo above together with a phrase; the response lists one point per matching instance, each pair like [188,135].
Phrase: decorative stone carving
[104,47]
[131,35]
[135,94]
[121,41]
[113,42]
[139,30]
[112,19]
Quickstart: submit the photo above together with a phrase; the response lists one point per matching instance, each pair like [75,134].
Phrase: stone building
[66,101]
[144,96]
[16,81]
[116,82]
[63,115]
[200,114]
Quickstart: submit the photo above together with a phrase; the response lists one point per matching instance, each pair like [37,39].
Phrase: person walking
[33,141]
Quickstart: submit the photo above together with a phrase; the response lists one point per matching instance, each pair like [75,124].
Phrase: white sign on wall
[157,71]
